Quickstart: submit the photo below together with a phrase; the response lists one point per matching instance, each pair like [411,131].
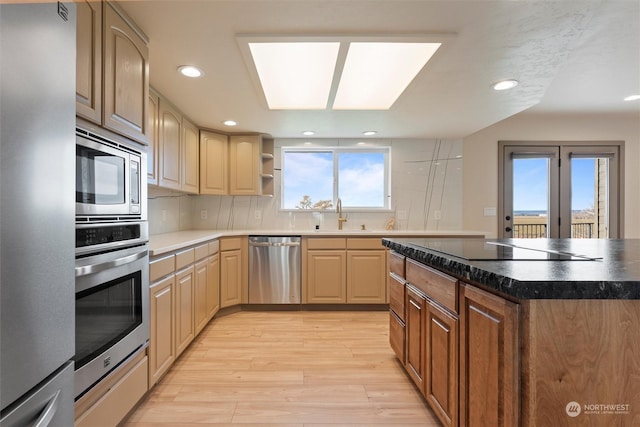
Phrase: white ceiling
[577,56]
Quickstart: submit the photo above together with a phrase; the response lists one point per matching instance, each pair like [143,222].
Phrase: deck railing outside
[536,227]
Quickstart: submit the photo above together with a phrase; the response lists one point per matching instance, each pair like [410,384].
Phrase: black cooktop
[482,250]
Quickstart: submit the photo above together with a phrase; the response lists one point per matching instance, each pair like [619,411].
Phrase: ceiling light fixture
[308,133]
[369,132]
[632,98]
[190,71]
[505,84]
[295,75]
[230,123]
[375,74]
[339,72]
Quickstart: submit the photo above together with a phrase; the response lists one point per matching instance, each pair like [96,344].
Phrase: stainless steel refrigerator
[37,211]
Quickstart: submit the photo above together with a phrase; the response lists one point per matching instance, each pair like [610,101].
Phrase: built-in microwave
[109,178]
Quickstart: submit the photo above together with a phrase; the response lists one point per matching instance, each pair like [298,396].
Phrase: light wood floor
[293,369]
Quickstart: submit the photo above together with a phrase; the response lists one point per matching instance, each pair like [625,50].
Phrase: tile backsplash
[426,194]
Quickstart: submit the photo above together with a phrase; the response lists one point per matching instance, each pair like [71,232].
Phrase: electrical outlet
[257,214]
[437,215]
[203,214]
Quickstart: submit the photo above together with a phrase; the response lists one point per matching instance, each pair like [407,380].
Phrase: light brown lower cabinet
[230,278]
[117,394]
[366,276]
[162,334]
[185,331]
[489,368]
[326,277]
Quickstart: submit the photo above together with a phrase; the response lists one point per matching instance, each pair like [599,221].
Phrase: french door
[560,190]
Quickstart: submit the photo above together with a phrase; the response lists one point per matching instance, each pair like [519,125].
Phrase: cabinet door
[169,155]
[190,157]
[126,77]
[230,278]
[162,334]
[326,277]
[214,163]
[416,307]
[244,165]
[89,60]
[185,285]
[154,136]
[213,286]
[397,336]
[441,387]
[366,277]
[488,359]
[200,295]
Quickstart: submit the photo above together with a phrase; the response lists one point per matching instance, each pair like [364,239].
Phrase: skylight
[295,76]
[376,74]
[336,72]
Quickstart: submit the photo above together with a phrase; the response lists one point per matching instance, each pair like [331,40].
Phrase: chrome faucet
[341,219]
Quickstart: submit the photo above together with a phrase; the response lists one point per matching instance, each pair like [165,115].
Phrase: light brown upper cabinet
[112,70]
[170,122]
[239,165]
[89,60]
[154,129]
[214,163]
[244,164]
[190,151]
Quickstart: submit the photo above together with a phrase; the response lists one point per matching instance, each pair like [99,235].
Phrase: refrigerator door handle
[48,412]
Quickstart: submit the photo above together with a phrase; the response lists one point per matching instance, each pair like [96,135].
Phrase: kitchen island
[519,332]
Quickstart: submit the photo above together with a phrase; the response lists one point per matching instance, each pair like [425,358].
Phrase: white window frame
[336,190]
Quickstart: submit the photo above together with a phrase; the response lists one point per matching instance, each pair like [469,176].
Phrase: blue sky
[361,178]
[531,181]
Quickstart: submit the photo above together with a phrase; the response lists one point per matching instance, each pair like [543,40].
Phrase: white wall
[480,178]
[426,177]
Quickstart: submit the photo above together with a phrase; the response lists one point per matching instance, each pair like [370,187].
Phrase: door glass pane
[531,197]
[589,198]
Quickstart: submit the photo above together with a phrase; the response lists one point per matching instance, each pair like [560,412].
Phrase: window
[568,190]
[316,178]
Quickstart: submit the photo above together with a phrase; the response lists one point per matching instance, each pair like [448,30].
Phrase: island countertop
[591,268]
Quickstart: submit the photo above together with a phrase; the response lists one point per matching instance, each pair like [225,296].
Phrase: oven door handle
[96,268]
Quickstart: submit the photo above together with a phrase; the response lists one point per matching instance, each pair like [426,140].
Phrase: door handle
[508,229]
[48,412]
[95,268]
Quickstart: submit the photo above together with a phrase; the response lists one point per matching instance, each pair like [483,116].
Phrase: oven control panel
[91,236]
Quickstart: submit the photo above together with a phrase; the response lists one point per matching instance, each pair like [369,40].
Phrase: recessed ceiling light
[230,123]
[308,132]
[190,71]
[362,143]
[369,132]
[295,75]
[375,74]
[307,143]
[632,98]
[505,84]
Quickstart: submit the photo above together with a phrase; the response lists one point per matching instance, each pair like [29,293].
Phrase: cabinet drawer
[184,258]
[160,267]
[230,244]
[119,400]
[327,243]
[396,296]
[214,247]
[396,263]
[364,243]
[397,336]
[437,286]
[201,251]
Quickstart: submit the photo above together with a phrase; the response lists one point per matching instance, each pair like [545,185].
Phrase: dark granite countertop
[553,269]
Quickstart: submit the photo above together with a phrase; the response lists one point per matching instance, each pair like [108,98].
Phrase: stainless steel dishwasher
[274,270]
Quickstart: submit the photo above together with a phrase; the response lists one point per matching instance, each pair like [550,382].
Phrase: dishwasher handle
[277,244]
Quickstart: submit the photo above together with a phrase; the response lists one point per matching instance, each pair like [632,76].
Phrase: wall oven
[110,174]
[112,298]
